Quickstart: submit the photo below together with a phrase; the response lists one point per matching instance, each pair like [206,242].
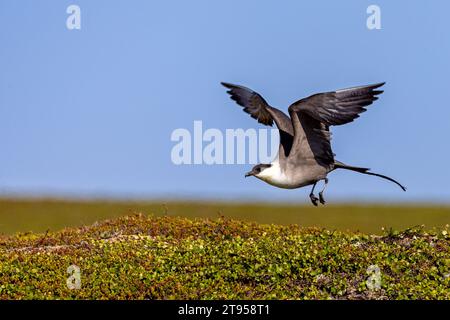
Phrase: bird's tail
[340,165]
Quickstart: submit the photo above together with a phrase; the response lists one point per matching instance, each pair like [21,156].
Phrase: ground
[40,215]
[148,257]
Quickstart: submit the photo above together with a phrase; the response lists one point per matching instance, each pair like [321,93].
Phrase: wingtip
[226,84]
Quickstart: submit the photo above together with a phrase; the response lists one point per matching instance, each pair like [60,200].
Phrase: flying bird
[305,156]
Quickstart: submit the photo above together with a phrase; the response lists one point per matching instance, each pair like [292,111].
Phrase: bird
[305,156]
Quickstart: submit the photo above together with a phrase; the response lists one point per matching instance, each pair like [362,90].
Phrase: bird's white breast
[276,177]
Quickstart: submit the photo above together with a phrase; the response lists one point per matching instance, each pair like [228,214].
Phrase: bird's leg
[313,198]
[321,199]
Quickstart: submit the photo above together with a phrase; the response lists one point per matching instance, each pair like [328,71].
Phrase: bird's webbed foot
[314,199]
[321,198]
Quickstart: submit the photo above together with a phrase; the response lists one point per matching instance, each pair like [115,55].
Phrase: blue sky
[90,112]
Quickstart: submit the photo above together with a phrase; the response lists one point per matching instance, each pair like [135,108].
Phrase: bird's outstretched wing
[338,107]
[312,117]
[259,109]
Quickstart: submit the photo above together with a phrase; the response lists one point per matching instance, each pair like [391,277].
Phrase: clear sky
[90,112]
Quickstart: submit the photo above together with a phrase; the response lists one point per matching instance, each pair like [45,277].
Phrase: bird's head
[258,170]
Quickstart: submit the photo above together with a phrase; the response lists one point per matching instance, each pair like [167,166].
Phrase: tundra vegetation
[165,257]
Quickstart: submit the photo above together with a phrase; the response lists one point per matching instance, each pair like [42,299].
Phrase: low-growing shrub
[140,257]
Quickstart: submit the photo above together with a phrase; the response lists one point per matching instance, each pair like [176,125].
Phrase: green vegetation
[21,215]
[166,257]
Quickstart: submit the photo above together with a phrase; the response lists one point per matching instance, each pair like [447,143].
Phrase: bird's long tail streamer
[340,165]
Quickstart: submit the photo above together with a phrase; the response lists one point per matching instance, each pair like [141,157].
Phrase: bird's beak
[248,174]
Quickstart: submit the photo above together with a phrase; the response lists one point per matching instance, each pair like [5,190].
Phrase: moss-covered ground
[148,257]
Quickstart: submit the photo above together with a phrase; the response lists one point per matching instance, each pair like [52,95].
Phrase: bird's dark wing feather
[259,109]
[312,117]
[338,107]
[253,103]
[312,141]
